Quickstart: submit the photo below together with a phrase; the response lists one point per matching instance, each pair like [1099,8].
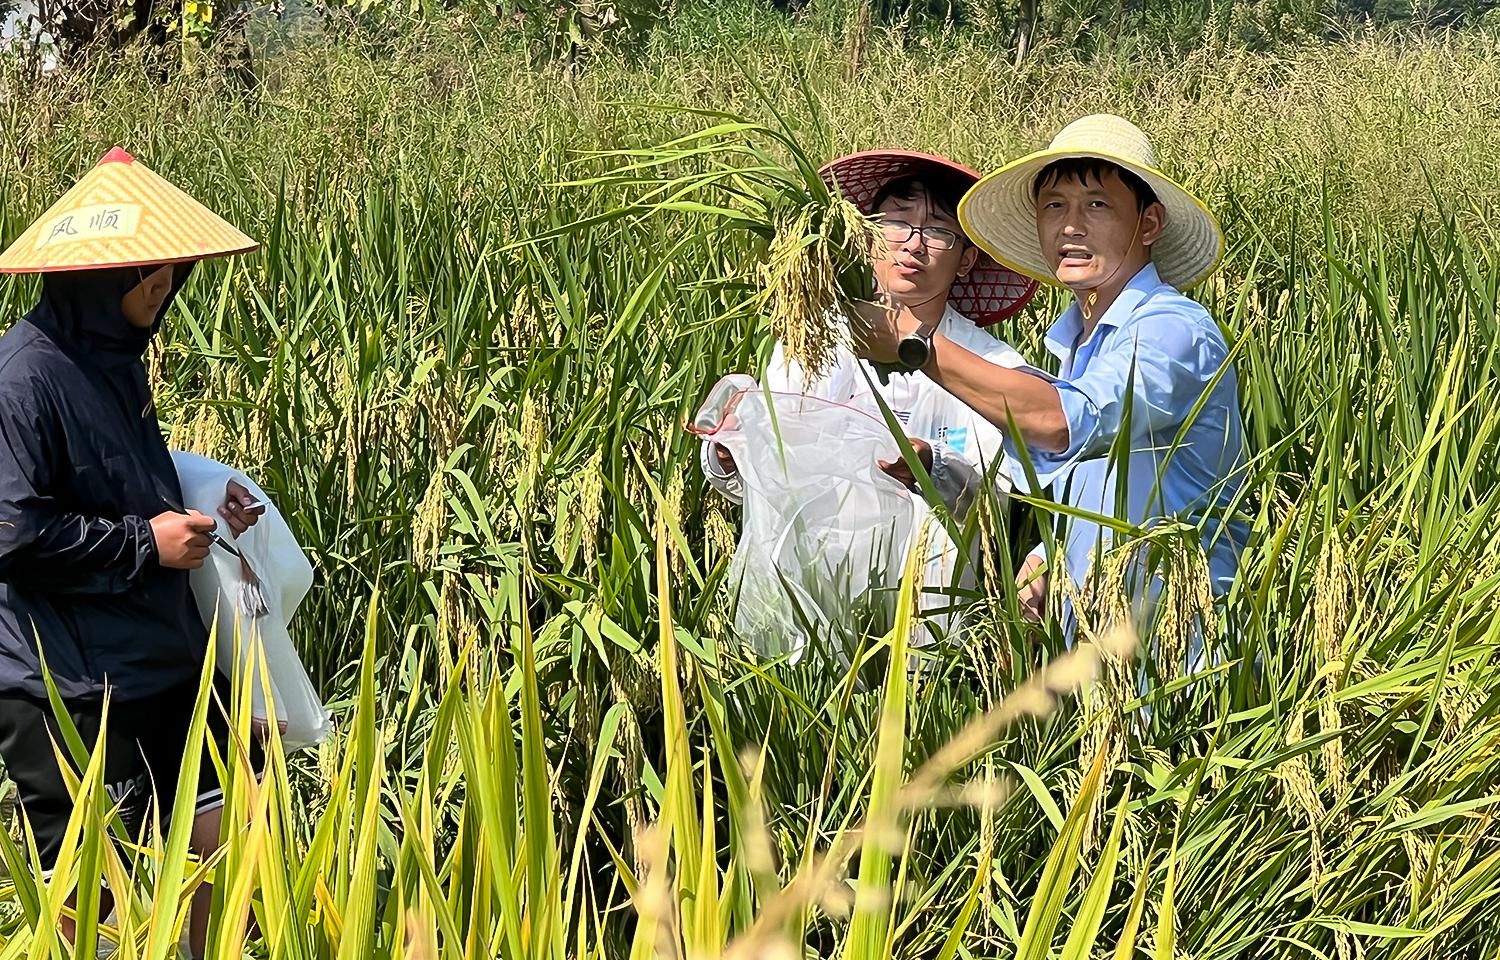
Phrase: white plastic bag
[285,576]
[825,531]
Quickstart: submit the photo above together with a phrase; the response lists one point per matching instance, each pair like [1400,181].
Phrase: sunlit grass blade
[1090,917]
[869,928]
[1046,911]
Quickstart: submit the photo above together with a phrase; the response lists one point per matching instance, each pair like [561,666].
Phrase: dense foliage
[473,409]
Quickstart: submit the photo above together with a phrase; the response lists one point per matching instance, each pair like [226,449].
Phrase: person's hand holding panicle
[725,459]
[877,328]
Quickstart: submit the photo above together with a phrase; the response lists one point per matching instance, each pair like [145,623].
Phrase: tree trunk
[857,40]
[1025,27]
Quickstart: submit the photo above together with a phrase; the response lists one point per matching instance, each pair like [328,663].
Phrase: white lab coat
[965,446]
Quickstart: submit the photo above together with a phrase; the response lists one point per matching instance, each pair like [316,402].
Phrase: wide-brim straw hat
[990,292]
[121,214]
[999,213]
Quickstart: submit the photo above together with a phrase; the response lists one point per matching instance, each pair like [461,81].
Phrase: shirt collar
[952,318]
[1062,336]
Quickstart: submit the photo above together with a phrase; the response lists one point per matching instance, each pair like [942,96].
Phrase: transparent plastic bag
[824,530]
[285,575]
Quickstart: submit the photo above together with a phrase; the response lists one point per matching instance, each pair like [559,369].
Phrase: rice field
[461,364]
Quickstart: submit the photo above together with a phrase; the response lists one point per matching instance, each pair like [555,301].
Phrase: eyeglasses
[936,238]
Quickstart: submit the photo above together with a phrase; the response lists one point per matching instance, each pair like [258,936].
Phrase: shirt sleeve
[45,547]
[785,375]
[974,448]
[1143,383]
[782,375]
[729,484]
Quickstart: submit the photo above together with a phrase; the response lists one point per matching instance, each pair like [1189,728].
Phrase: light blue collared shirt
[1158,352]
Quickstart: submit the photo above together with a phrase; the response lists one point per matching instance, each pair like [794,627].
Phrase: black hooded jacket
[83,469]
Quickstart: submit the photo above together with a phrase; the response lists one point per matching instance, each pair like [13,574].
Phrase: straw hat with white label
[999,213]
[121,214]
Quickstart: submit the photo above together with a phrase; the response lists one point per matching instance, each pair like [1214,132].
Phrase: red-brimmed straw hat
[990,292]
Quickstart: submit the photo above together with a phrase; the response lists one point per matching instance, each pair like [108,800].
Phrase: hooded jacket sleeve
[45,547]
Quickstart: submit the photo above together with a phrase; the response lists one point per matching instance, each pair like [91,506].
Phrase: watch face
[913,351]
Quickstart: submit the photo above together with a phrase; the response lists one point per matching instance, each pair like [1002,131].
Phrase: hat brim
[122,214]
[990,292]
[999,214]
[168,261]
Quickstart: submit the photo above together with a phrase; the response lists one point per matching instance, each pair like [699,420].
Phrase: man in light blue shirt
[1160,355]
[1142,422]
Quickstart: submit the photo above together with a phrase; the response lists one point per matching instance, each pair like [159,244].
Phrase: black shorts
[143,754]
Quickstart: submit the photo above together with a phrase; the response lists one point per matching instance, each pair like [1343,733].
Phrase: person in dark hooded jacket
[85,479]
[94,549]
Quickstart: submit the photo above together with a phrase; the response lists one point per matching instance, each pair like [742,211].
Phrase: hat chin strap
[1087,306]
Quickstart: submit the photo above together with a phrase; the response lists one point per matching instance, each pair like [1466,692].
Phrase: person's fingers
[238,501]
[1028,605]
[898,471]
[200,521]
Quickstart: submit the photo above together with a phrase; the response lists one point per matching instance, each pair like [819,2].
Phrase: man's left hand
[240,510]
[878,329]
[900,470]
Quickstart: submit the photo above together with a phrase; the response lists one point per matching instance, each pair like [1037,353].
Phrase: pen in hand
[212,534]
[250,599]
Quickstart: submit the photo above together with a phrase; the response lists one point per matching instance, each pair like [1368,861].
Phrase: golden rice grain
[591,498]
[802,274]
[428,522]
[1330,614]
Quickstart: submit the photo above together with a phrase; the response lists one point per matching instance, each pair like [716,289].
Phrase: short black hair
[1084,169]
[943,189]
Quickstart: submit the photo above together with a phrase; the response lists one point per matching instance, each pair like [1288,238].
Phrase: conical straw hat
[999,213]
[990,292]
[121,214]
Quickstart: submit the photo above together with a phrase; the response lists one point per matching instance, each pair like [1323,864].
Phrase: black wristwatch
[915,349]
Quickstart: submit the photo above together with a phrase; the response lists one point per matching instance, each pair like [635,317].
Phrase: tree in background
[567,32]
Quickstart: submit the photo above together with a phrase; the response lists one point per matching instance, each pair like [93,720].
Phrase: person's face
[141,305]
[922,267]
[1094,231]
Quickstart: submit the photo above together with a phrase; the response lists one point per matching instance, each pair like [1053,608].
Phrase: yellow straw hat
[999,212]
[121,214]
